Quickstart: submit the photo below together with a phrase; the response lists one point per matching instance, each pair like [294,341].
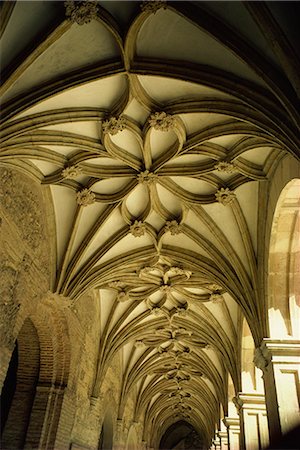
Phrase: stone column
[217,443]
[280,362]
[223,436]
[119,436]
[253,411]
[144,445]
[233,427]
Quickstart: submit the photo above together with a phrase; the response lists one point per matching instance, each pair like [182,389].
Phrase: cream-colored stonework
[137,312]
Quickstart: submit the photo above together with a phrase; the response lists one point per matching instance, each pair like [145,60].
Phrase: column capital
[250,401]
[232,422]
[262,357]
[277,351]
[222,434]
[250,398]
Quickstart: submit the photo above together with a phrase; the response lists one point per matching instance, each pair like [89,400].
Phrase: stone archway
[42,358]
[181,435]
[107,433]
[19,388]
[284,265]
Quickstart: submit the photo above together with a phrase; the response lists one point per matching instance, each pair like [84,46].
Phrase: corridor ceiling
[154,126]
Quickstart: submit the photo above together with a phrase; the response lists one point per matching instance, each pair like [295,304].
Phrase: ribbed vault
[153,130]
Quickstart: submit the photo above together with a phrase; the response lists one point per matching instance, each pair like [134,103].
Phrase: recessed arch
[107,432]
[284,263]
[23,376]
[179,434]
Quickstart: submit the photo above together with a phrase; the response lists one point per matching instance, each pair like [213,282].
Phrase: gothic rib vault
[153,131]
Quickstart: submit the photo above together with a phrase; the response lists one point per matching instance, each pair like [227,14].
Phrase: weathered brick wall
[25,255]
[63,410]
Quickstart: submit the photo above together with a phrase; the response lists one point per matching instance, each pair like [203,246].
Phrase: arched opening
[106,435]
[248,368]
[181,435]
[284,265]
[252,380]
[9,387]
[33,391]
[19,388]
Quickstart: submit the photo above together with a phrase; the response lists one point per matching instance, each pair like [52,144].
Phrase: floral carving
[216,297]
[71,172]
[85,197]
[157,311]
[227,167]
[147,177]
[153,6]
[166,288]
[180,271]
[122,296]
[9,281]
[140,344]
[138,229]
[173,227]
[225,196]
[214,287]
[81,12]
[262,358]
[161,121]
[181,311]
[113,125]
[23,205]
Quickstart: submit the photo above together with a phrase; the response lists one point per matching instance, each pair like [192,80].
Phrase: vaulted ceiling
[154,128]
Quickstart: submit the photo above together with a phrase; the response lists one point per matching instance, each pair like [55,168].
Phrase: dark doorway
[19,389]
[9,387]
[181,435]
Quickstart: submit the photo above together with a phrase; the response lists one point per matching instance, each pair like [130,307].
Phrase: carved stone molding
[276,351]
[123,296]
[139,344]
[166,288]
[147,177]
[60,300]
[246,400]
[13,275]
[237,403]
[85,197]
[81,12]
[214,287]
[262,358]
[173,227]
[225,196]
[161,121]
[26,214]
[232,423]
[153,6]
[180,393]
[71,172]
[216,297]
[95,402]
[181,311]
[226,167]
[158,311]
[119,430]
[179,271]
[138,229]
[113,125]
